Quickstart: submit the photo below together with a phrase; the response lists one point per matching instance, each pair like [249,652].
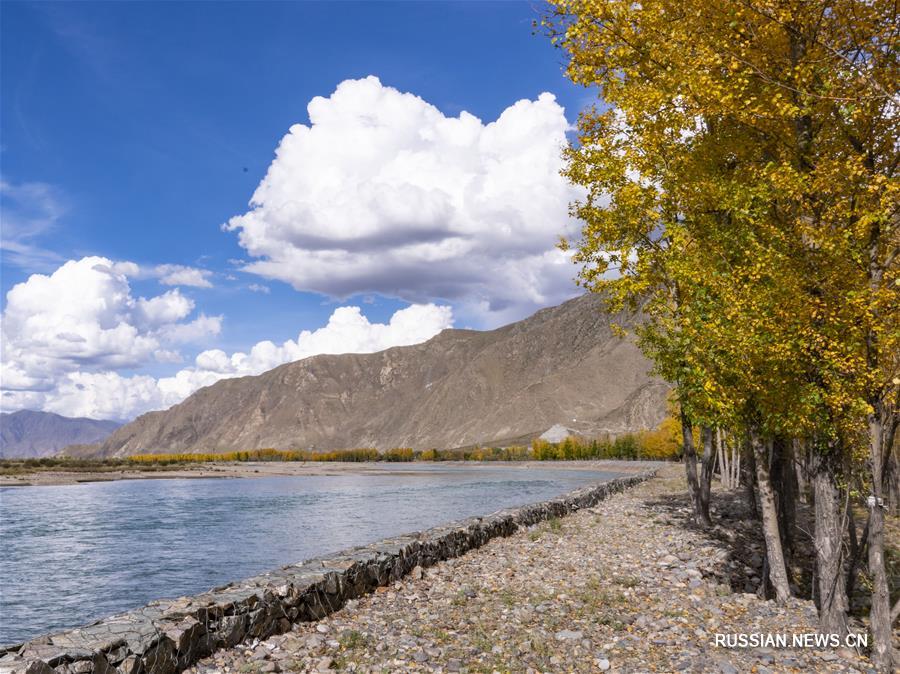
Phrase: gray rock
[39,667]
[314,642]
[726,667]
[10,663]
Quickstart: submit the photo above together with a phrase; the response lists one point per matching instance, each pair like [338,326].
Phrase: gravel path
[622,587]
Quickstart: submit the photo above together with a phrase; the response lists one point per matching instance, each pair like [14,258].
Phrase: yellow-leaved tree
[740,169]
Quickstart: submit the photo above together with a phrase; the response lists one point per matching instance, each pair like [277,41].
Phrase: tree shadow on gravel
[735,531]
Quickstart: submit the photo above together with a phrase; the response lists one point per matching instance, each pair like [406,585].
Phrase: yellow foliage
[664,442]
[741,190]
[647,445]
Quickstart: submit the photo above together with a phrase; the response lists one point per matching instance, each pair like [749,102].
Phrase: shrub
[398,454]
[664,442]
[626,447]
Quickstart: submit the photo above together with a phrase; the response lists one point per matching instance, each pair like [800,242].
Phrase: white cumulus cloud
[167,274]
[178,275]
[83,318]
[384,193]
[97,395]
[65,336]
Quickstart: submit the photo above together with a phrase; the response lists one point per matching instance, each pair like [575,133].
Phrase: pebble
[726,667]
[629,578]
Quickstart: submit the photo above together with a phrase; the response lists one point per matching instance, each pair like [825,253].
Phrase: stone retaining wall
[167,636]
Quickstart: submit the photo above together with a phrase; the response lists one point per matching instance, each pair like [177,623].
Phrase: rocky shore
[625,586]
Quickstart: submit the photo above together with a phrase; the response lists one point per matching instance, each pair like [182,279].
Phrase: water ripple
[71,554]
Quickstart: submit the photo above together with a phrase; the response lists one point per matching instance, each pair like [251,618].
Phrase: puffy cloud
[97,395]
[167,308]
[130,269]
[384,193]
[259,288]
[83,318]
[168,274]
[177,275]
[197,330]
[113,396]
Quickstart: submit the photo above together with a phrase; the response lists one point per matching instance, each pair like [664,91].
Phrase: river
[72,554]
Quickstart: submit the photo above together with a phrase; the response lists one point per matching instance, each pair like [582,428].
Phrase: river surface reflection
[72,554]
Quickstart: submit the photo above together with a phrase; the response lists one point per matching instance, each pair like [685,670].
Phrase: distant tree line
[660,444]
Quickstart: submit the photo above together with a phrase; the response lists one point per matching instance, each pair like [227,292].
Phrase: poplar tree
[741,190]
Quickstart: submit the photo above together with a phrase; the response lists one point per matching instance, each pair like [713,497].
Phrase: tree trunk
[880,613]
[769,514]
[736,464]
[751,483]
[858,547]
[765,589]
[891,477]
[783,487]
[786,488]
[722,461]
[882,420]
[729,459]
[801,471]
[828,534]
[892,483]
[690,467]
[706,472]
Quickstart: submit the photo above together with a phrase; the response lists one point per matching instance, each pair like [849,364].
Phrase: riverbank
[624,586]
[251,469]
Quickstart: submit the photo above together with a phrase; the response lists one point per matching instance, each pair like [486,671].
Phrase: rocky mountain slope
[563,365]
[30,434]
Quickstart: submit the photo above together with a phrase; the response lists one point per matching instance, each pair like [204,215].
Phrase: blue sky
[133,131]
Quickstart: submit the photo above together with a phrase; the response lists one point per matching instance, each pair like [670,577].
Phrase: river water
[72,554]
